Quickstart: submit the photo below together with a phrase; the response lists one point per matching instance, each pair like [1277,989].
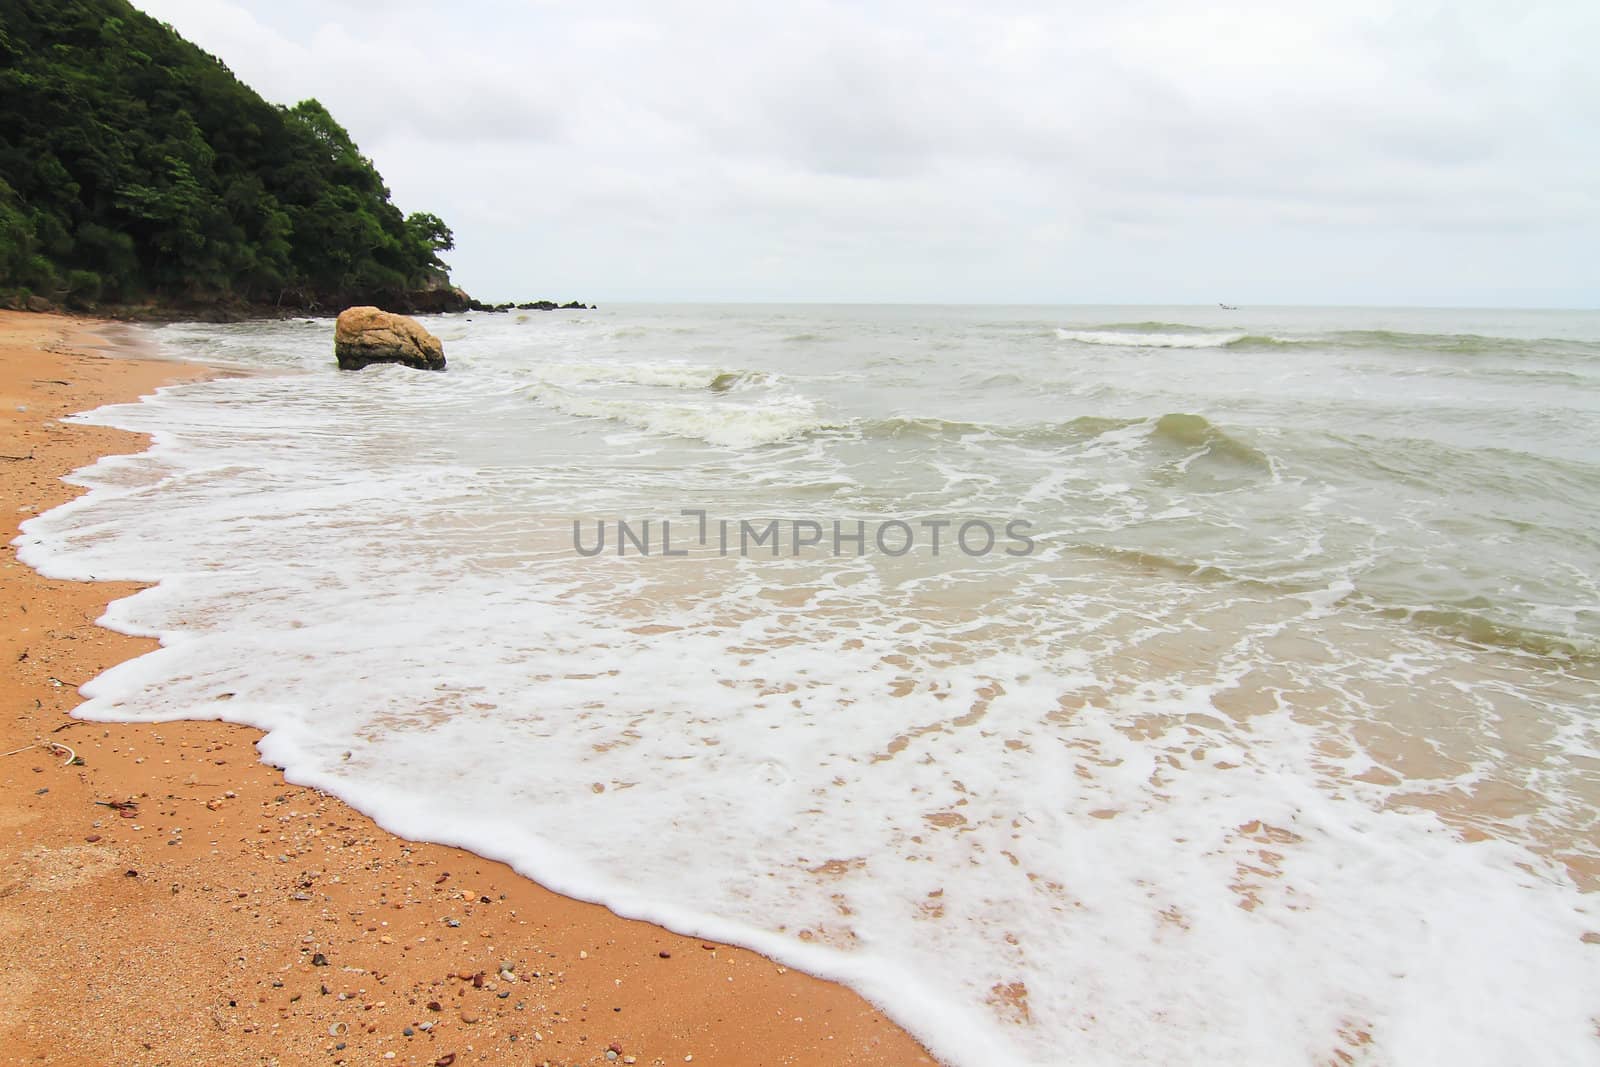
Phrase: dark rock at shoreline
[529,305]
[431,301]
[366,335]
[434,301]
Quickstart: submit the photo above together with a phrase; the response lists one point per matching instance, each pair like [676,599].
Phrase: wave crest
[1198,432]
[1142,339]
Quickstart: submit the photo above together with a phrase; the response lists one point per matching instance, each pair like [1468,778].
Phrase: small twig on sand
[56,746]
[18,459]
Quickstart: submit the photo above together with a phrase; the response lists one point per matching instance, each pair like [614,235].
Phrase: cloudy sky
[1002,151]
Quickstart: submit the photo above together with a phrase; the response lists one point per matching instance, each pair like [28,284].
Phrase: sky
[1149,151]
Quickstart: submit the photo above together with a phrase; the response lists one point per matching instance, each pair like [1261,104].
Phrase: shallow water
[1277,744]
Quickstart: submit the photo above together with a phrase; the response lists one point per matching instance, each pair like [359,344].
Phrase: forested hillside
[135,167]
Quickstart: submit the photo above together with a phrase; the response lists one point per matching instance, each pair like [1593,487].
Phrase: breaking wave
[1179,335]
[1140,339]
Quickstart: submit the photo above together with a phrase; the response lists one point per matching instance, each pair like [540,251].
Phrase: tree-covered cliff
[134,167]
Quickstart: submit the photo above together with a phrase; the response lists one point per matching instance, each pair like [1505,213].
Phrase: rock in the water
[367,335]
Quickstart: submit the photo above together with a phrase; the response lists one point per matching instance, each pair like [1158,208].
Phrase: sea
[1083,685]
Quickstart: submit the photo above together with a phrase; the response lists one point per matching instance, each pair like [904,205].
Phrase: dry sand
[171,900]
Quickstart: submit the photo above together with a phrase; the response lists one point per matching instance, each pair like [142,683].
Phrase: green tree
[133,164]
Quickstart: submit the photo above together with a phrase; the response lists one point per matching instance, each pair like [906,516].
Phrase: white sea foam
[1088,807]
[1132,339]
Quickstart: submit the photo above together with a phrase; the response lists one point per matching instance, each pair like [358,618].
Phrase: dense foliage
[134,166]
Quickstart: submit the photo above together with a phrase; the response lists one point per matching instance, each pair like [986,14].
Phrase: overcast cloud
[1146,152]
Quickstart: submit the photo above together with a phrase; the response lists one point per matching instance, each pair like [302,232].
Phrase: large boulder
[367,335]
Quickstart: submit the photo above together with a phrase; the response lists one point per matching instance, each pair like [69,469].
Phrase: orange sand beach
[171,900]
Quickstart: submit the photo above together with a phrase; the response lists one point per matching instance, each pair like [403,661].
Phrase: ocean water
[1266,730]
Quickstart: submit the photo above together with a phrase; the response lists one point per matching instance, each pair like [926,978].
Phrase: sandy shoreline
[227,917]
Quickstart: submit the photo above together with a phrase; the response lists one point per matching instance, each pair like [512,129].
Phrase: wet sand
[171,900]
